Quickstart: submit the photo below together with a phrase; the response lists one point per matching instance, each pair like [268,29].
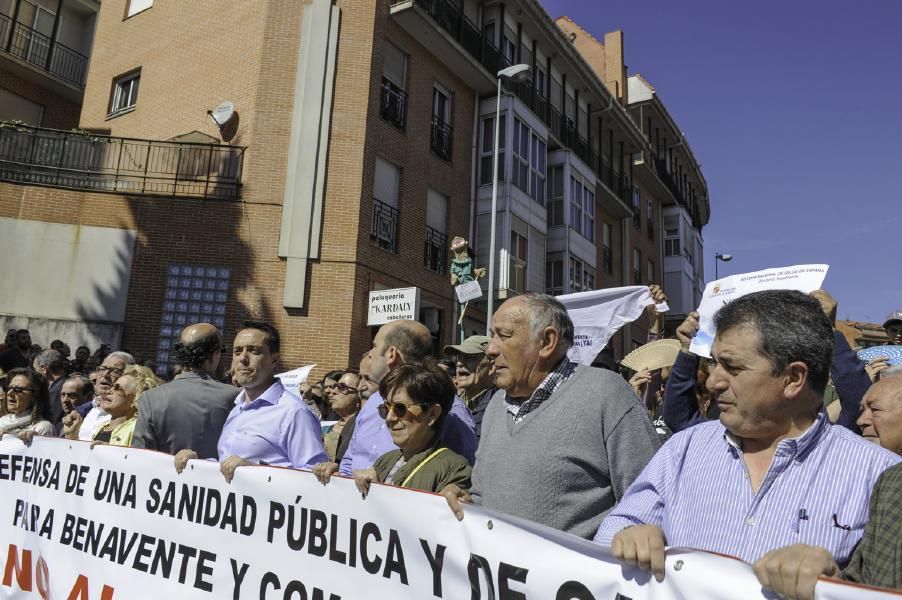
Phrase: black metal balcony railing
[385,226]
[441,138]
[435,251]
[607,260]
[40,50]
[393,103]
[99,163]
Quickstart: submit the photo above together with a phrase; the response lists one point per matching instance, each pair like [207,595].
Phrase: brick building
[357,144]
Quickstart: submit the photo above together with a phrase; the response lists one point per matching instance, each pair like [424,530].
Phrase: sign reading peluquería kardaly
[393,305]
[120,523]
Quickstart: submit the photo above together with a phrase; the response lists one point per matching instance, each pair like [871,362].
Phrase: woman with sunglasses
[121,403]
[417,400]
[27,404]
[345,402]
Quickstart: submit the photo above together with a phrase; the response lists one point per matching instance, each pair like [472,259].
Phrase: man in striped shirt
[772,471]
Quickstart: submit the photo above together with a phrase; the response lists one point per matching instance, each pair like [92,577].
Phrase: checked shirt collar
[552,381]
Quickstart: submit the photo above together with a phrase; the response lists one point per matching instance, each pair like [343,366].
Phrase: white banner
[802,278]
[386,306]
[598,314]
[115,523]
[291,380]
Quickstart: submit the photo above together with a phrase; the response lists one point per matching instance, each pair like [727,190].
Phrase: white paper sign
[598,314]
[291,380]
[114,523]
[802,278]
[468,291]
[393,305]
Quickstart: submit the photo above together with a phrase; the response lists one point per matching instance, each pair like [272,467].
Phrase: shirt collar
[798,446]
[272,395]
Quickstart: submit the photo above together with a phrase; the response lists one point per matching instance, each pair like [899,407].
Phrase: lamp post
[720,257]
[513,72]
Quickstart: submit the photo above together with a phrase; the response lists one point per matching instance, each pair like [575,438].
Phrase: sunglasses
[19,389]
[345,389]
[396,408]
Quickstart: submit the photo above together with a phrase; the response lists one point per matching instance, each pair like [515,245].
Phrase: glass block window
[194,294]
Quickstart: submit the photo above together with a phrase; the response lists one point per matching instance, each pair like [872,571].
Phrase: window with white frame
[386,185]
[436,248]
[554,277]
[575,275]
[487,156]
[588,278]
[194,294]
[528,164]
[125,92]
[582,207]
[520,164]
[555,212]
[671,236]
[518,256]
[136,6]
[537,169]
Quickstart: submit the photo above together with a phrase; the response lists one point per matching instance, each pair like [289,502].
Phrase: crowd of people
[782,449]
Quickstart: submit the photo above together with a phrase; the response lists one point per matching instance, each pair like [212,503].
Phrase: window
[539,82]
[510,45]
[637,267]
[194,294]
[555,213]
[385,205]
[650,275]
[576,275]
[554,277]
[607,257]
[528,165]
[650,220]
[671,236]
[136,6]
[517,275]
[637,208]
[486,162]
[125,92]
[582,207]
[436,248]
[588,278]
[441,121]
[393,98]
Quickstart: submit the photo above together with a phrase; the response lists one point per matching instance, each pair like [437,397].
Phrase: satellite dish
[226,118]
[222,113]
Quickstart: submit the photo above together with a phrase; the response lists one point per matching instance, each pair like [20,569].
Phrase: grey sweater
[570,460]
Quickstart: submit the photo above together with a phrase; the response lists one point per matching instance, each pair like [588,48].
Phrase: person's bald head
[881,414]
[198,348]
[397,343]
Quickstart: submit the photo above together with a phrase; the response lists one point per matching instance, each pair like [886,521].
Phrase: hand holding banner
[803,278]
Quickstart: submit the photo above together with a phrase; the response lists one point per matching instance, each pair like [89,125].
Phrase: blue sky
[793,110]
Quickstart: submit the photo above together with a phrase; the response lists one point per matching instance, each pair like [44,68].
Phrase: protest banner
[114,523]
[291,380]
[802,278]
[598,314]
[397,304]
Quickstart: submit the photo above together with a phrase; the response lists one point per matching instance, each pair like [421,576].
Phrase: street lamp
[721,257]
[515,72]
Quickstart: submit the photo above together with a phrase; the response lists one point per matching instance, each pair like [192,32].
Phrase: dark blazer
[187,412]
[56,406]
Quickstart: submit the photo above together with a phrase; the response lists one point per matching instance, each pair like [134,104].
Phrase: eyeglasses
[111,370]
[346,389]
[19,389]
[69,394]
[396,408]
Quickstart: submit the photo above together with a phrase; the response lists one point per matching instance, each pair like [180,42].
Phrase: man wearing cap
[473,380]
[893,327]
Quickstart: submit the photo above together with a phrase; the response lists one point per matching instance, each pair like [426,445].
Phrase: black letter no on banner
[574,590]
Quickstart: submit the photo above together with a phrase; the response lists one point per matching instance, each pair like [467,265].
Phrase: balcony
[98,163]
[441,138]
[393,103]
[39,50]
[435,251]
[385,226]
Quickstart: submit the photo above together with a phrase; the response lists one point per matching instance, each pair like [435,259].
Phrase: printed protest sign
[291,380]
[803,278]
[115,523]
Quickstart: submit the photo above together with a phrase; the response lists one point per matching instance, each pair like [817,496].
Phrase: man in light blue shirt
[395,344]
[268,425]
[772,471]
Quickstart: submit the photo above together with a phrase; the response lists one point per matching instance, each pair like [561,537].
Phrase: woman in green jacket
[417,400]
